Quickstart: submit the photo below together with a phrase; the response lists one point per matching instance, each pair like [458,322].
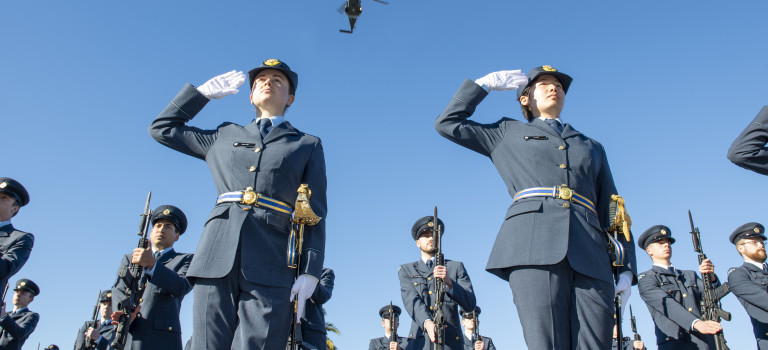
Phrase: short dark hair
[527,109]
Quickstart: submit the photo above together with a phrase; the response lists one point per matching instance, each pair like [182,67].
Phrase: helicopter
[353,9]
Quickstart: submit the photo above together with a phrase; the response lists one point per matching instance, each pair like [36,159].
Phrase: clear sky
[665,86]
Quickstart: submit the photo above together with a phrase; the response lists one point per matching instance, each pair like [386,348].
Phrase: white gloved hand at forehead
[222,85]
[302,289]
[504,80]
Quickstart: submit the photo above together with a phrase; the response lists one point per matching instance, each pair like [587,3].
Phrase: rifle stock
[438,318]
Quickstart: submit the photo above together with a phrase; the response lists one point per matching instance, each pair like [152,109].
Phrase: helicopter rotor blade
[382,2]
[342,7]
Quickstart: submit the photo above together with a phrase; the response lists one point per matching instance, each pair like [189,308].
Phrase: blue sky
[664,86]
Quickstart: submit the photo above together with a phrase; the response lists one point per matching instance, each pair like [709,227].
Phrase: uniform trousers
[560,308]
[233,313]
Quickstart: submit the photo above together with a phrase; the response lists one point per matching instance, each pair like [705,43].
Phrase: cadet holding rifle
[419,293]
[749,282]
[157,325]
[390,321]
[626,342]
[98,332]
[472,338]
[18,325]
[674,296]
[15,245]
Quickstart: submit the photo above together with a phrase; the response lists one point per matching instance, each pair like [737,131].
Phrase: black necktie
[430,264]
[672,270]
[157,255]
[555,125]
[264,123]
[765,269]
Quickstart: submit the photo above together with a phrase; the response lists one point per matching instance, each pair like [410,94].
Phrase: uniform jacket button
[431,307]
[415,284]
[252,168]
[561,147]
[430,292]
[685,295]
[562,166]
[170,328]
[566,205]
[690,309]
[257,150]
[429,278]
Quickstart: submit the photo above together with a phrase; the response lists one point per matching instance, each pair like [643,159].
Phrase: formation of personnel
[569,270]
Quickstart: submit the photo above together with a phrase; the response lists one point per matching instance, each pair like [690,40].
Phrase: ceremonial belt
[255,199]
[561,192]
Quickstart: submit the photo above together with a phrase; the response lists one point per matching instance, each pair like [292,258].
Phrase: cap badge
[430,224]
[109,295]
[271,62]
[663,231]
[23,284]
[757,230]
[166,212]
[3,184]
[548,68]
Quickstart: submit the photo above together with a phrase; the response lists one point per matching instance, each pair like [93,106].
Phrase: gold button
[430,292]
[561,147]
[252,168]
[667,339]
[457,338]
[415,284]
[690,309]
[429,278]
[257,149]
[431,307]
[685,295]
[170,328]
[566,205]
[562,166]
[246,208]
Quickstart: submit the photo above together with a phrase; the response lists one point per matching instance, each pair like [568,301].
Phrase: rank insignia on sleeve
[548,68]
[272,62]
[166,212]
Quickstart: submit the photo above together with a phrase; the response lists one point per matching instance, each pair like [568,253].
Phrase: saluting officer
[15,245]
[157,325]
[468,321]
[749,282]
[748,149]
[417,287]
[552,244]
[384,343]
[100,335]
[673,296]
[313,322]
[242,280]
[16,326]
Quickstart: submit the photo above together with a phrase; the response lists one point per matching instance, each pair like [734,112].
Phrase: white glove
[303,287]
[503,80]
[624,287]
[222,85]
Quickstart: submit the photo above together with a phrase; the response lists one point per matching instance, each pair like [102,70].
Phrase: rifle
[135,281]
[710,298]
[392,329]
[475,330]
[302,215]
[91,343]
[620,225]
[438,318]
[634,326]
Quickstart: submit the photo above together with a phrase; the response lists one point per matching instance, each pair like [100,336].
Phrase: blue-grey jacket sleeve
[462,292]
[454,125]
[173,282]
[118,288]
[324,288]
[661,302]
[743,287]
[14,258]
[170,129]
[23,328]
[414,304]
[489,345]
[313,251]
[748,150]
